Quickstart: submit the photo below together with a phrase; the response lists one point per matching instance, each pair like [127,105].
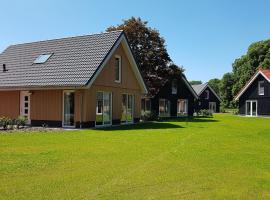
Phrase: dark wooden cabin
[208,98]
[175,99]
[254,98]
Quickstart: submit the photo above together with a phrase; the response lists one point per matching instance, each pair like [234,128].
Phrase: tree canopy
[215,85]
[257,57]
[195,82]
[150,52]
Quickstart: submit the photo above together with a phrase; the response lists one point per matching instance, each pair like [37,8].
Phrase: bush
[204,113]
[5,122]
[149,116]
[21,121]
[236,112]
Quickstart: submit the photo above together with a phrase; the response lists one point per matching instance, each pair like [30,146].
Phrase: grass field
[226,157]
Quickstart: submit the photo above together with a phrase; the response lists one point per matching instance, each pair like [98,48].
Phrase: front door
[251,108]
[212,107]
[25,105]
[68,108]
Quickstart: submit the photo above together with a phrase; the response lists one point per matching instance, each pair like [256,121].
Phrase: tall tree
[150,52]
[257,57]
[226,85]
[215,84]
[195,82]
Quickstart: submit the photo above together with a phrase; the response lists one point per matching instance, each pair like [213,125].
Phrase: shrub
[21,121]
[149,116]
[5,122]
[236,112]
[205,113]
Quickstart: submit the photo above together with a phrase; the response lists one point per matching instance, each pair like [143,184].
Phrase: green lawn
[226,157]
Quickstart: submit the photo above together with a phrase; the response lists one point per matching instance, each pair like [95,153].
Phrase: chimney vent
[4,68]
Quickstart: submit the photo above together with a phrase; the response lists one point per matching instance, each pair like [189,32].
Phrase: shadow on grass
[148,125]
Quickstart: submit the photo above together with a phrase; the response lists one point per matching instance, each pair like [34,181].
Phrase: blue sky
[203,36]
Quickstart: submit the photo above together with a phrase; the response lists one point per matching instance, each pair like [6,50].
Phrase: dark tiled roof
[199,88]
[73,63]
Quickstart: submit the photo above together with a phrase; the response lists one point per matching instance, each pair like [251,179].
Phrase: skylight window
[42,58]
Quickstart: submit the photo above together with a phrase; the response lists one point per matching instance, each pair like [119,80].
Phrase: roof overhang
[121,40]
[190,87]
[249,83]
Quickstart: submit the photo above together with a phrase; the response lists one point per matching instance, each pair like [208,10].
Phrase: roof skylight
[42,58]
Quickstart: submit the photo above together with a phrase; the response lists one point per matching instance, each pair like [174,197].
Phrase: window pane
[69,108]
[124,108]
[174,87]
[148,105]
[248,104]
[99,114]
[254,108]
[117,69]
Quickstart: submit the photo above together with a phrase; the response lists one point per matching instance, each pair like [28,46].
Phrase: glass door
[68,101]
[251,108]
[212,107]
[104,109]
[127,108]
[107,108]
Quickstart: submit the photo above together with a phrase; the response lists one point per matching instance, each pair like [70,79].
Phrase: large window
[182,107]
[104,108]
[164,108]
[127,108]
[206,94]
[69,103]
[146,105]
[174,86]
[261,87]
[117,68]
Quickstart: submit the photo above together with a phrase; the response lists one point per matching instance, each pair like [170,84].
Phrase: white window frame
[259,88]
[251,108]
[207,94]
[174,89]
[63,109]
[186,107]
[104,125]
[120,69]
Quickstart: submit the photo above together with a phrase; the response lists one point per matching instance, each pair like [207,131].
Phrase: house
[176,98]
[208,98]
[254,98]
[83,81]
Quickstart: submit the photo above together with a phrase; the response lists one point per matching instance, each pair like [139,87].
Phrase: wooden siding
[263,107]
[204,103]
[106,82]
[10,104]
[46,105]
[166,93]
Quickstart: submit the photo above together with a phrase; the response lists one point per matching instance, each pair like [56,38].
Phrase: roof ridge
[68,37]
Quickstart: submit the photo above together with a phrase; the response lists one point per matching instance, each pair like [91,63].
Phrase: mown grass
[226,157]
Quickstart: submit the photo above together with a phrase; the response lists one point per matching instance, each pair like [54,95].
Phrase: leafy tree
[150,52]
[195,82]
[215,84]
[226,85]
[257,57]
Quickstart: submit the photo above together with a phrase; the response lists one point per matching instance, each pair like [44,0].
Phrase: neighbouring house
[83,81]
[208,98]
[254,98]
[175,99]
